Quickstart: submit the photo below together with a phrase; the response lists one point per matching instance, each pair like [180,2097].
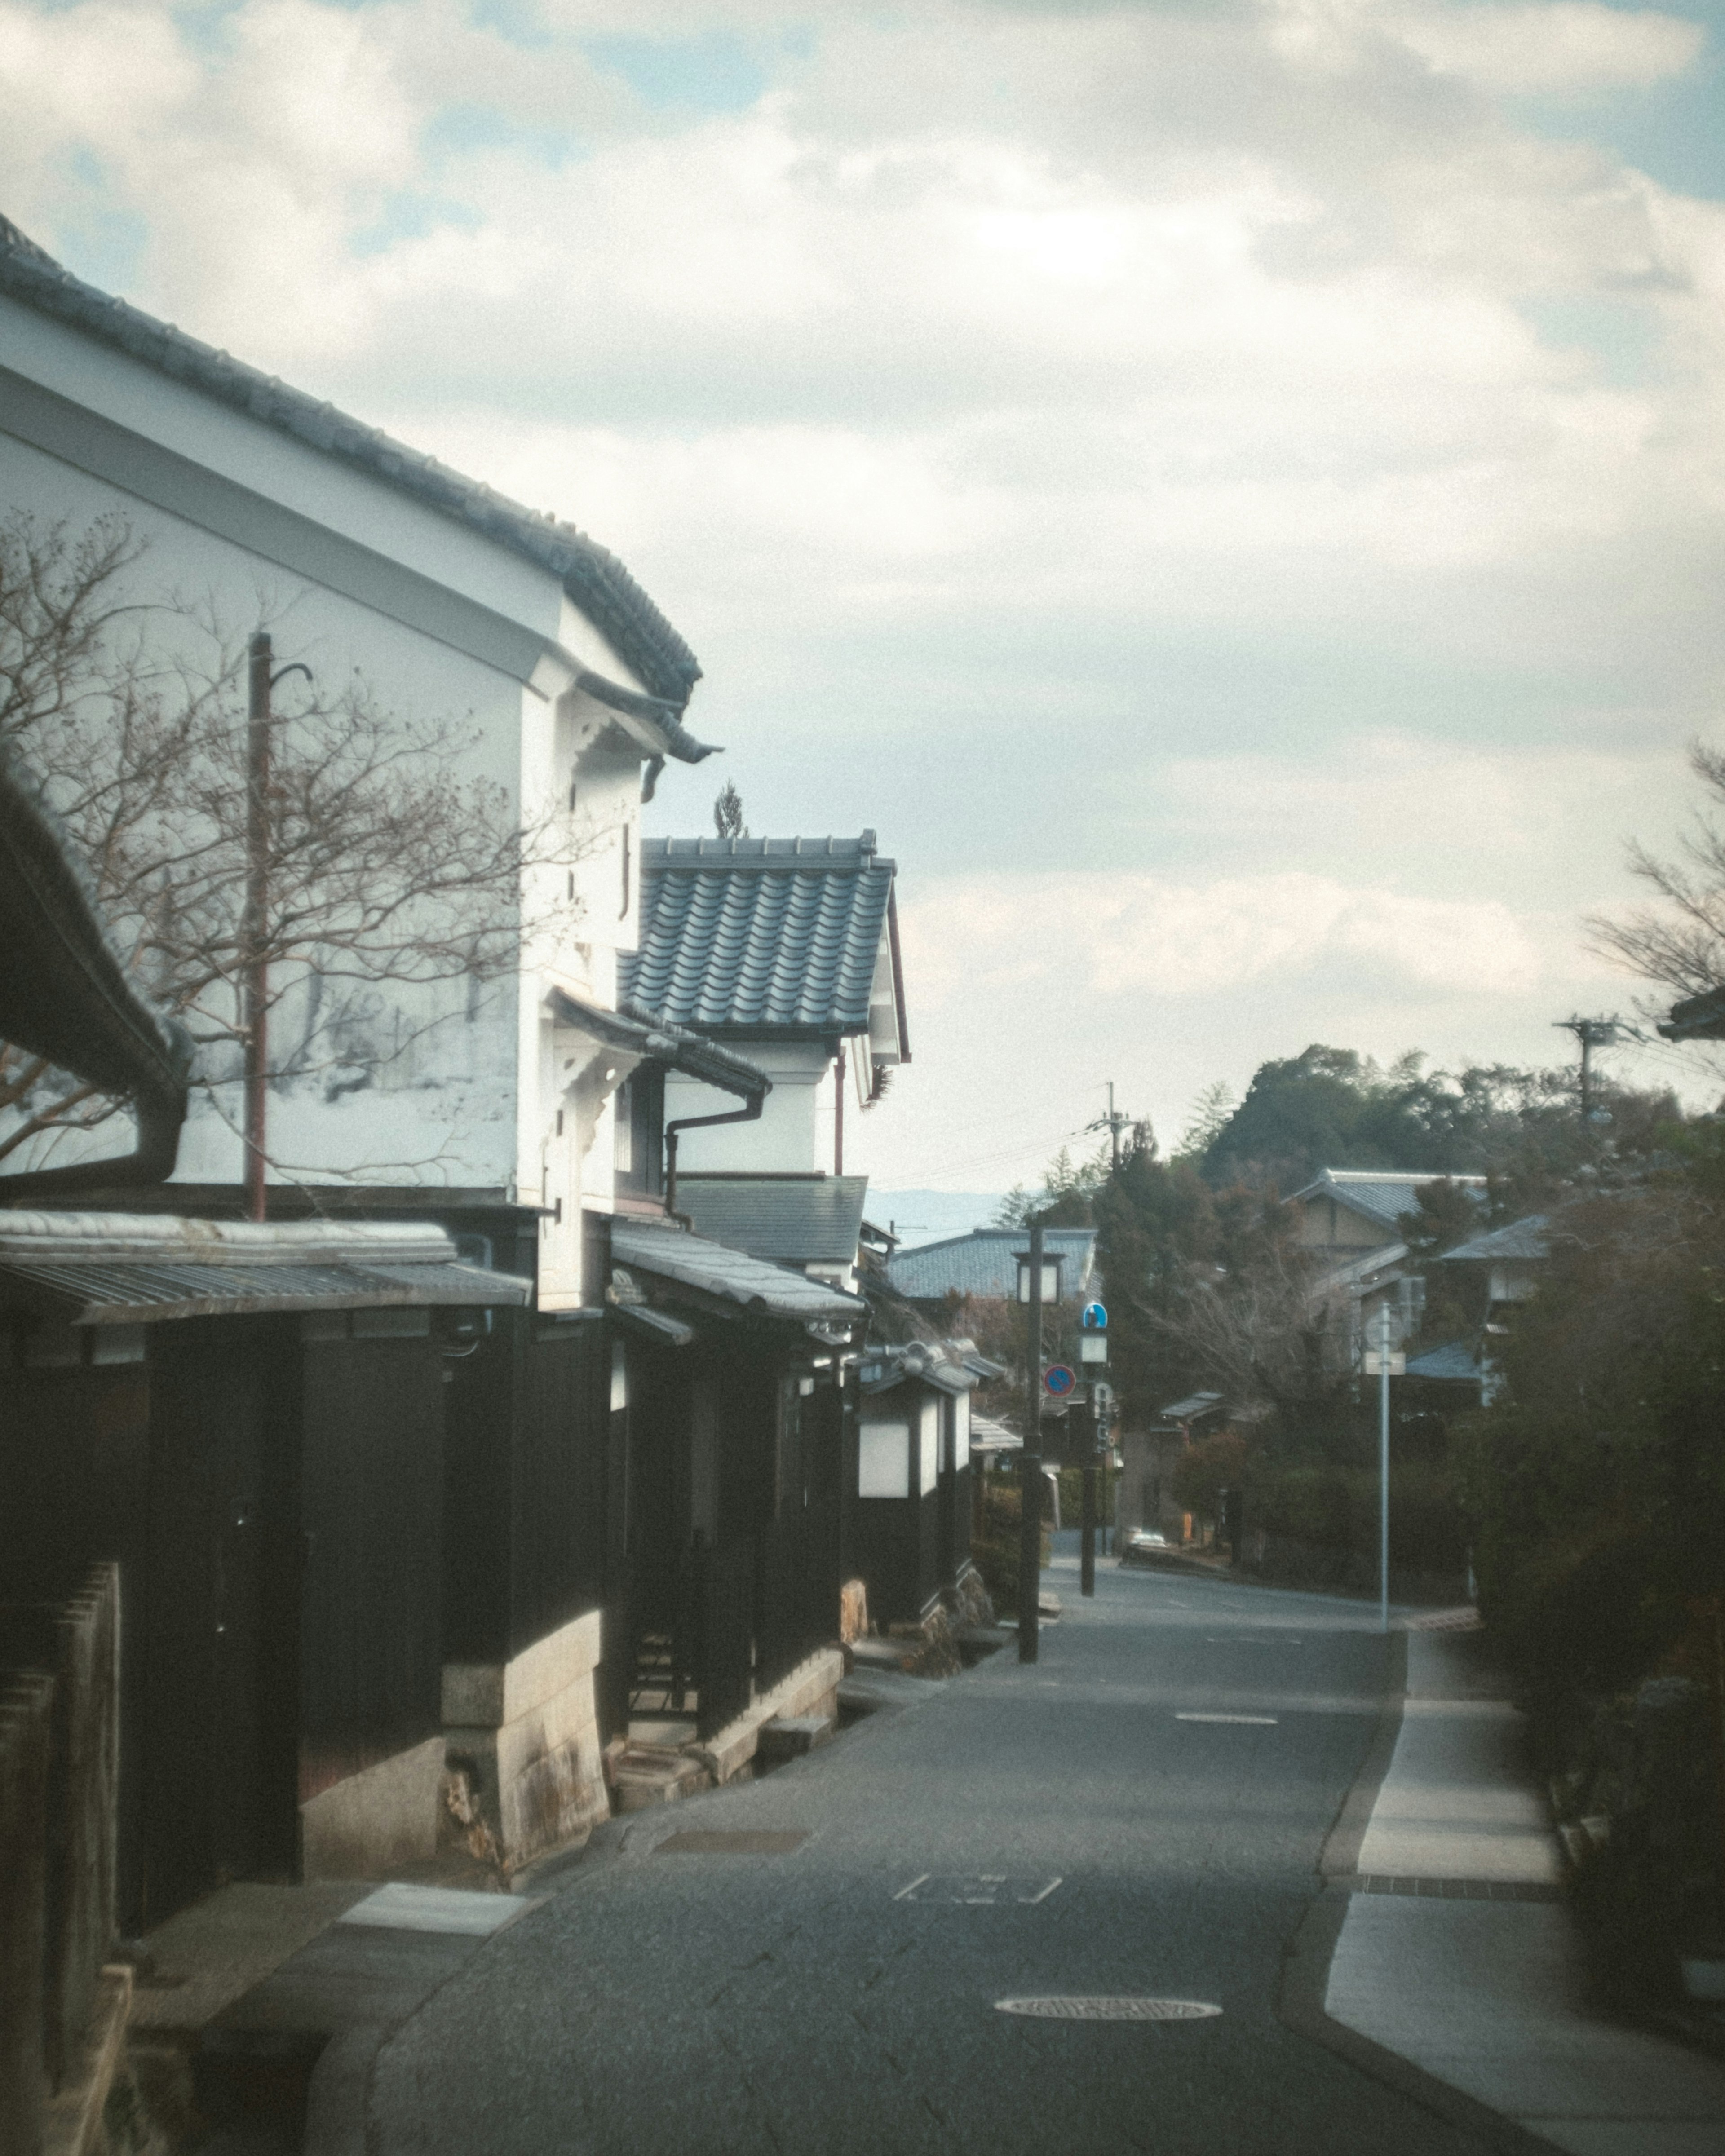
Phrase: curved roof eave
[594,577]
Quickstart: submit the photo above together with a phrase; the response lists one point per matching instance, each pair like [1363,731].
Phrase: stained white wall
[351,575]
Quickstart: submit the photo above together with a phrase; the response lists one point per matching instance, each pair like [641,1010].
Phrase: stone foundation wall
[526,1733]
[368,1823]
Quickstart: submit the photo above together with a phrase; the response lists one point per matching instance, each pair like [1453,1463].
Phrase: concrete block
[788,1735]
[371,1822]
[487,1695]
[811,1688]
[533,1747]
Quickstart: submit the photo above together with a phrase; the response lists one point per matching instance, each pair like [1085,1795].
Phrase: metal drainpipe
[751,1113]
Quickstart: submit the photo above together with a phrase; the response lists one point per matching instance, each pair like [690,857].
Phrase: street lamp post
[1384,1465]
[1031,1466]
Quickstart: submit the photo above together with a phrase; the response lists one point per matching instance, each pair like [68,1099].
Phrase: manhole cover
[1109,2009]
[715,1842]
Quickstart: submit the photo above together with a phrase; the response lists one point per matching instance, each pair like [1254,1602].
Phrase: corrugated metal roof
[985,1263]
[1383,1195]
[1453,1363]
[1527,1240]
[1190,1409]
[732,1275]
[130,1268]
[131,1292]
[753,935]
[594,579]
[788,1220]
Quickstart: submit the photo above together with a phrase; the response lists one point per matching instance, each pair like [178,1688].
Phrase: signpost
[1060,1380]
[1092,1356]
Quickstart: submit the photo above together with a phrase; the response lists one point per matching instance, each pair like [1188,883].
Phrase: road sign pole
[1383,1467]
[1087,1554]
[1030,1467]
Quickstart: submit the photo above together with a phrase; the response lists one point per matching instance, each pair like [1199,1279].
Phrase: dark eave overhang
[1696,1018]
[65,997]
[638,1032]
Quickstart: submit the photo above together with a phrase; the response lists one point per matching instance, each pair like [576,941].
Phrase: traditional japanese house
[249,1418]
[913,1480]
[743,1403]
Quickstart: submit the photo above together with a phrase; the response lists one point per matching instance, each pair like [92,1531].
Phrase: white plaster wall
[440,1111]
[794,1132]
[275,466]
[472,1093]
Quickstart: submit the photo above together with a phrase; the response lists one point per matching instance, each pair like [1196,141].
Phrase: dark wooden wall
[371,1513]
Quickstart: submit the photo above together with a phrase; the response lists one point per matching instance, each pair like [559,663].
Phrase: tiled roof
[760,935]
[1527,1240]
[732,1275]
[788,1220]
[985,1263]
[1382,1195]
[595,580]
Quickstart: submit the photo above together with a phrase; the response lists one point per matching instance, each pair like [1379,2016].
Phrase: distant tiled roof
[731,1275]
[1453,1363]
[753,936]
[985,1263]
[595,580]
[1382,1195]
[1527,1240]
[788,1220]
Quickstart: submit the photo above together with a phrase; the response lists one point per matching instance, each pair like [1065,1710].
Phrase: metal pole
[253,938]
[1087,1552]
[1383,1467]
[1030,1467]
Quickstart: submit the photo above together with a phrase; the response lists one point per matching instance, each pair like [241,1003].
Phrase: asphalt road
[822,2000]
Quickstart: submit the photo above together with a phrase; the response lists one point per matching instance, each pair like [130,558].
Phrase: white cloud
[1565,46]
[1117,934]
[1004,378]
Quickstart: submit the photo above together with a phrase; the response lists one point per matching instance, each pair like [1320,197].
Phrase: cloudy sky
[1232,490]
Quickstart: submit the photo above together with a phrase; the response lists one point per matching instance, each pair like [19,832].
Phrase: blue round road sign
[1095,1318]
[1058,1380]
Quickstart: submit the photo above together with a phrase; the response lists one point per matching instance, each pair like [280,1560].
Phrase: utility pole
[1591,1033]
[254,932]
[1030,1467]
[1114,1122]
[254,923]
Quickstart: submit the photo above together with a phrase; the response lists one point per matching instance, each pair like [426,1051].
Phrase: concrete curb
[1305,1974]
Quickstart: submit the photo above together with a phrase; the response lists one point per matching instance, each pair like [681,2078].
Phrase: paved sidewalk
[1457,1955]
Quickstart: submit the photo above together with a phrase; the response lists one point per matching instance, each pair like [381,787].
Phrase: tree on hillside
[1065,1199]
[1330,1107]
[387,868]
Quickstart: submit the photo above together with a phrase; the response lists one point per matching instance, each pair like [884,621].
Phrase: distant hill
[924,1216]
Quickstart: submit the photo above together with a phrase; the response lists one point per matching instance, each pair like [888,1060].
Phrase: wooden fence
[59,1762]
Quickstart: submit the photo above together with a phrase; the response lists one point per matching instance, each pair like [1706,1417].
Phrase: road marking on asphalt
[977,1890]
[1247,1721]
[1236,1640]
[1081,2008]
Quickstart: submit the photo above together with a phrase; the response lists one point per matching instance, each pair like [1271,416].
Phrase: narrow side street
[1141,1812]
